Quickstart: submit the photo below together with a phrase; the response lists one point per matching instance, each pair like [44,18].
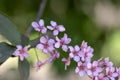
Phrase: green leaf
[5,51]
[24,40]
[34,42]
[24,69]
[8,30]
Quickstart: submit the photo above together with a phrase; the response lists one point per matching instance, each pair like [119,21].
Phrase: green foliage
[24,69]
[8,30]
[34,42]
[24,40]
[5,51]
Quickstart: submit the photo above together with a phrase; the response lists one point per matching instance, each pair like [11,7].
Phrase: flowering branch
[101,69]
[39,14]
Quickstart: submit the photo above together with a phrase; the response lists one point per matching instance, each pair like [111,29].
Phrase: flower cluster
[101,69]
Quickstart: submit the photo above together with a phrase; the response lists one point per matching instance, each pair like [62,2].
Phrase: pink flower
[63,42]
[81,69]
[39,26]
[46,45]
[21,52]
[66,61]
[56,28]
[86,52]
[74,53]
[54,55]
[107,63]
[93,68]
[118,71]
[110,72]
[99,77]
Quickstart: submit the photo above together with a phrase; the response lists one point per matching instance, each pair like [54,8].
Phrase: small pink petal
[16,53]
[65,48]
[77,70]
[71,48]
[21,57]
[51,41]
[81,73]
[26,55]
[68,40]
[57,39]
[41,22]
[43,40]
[35,24]
[25,49]
[77,48]
[89,72]
[50,27]
[53,23]
[44,30]
[55,32]
[19,47]
[71,55]
[89,65]
[45,51]
[61,28]
[77,58]
[57,45]
[40,46]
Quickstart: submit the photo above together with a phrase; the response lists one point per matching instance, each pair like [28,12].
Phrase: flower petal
[40,46]
[61,28]
[41,22]
[26,55]
[35,24]
[44,30]
[50,27]
[53,23]
[55,32]
[19,47]
[77,70]
[65,48]
[81,73]
[21,57]
[57,45]
[77,58]
[77,48]
[45,51]
[43,39]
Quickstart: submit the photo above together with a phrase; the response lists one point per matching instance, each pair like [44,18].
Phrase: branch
[39,14]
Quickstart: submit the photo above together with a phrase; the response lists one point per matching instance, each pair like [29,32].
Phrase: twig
[39,14]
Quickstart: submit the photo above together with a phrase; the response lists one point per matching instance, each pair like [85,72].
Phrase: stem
[39,14]
[36,54]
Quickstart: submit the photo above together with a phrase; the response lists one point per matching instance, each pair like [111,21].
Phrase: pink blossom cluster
[101,69]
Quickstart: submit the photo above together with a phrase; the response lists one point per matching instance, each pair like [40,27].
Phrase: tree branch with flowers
[49,43]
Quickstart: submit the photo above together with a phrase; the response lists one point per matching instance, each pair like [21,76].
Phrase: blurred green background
[95,21]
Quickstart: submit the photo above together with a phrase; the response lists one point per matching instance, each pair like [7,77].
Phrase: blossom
[74,53]
[81,68]
[107,63]
[62,42]
[99,77]
[54,55]
[39,26]
[110,72]
[93,68]
[66,61]
[46,45]
[118,71]
[86,52]
[21,52]
[56,28]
